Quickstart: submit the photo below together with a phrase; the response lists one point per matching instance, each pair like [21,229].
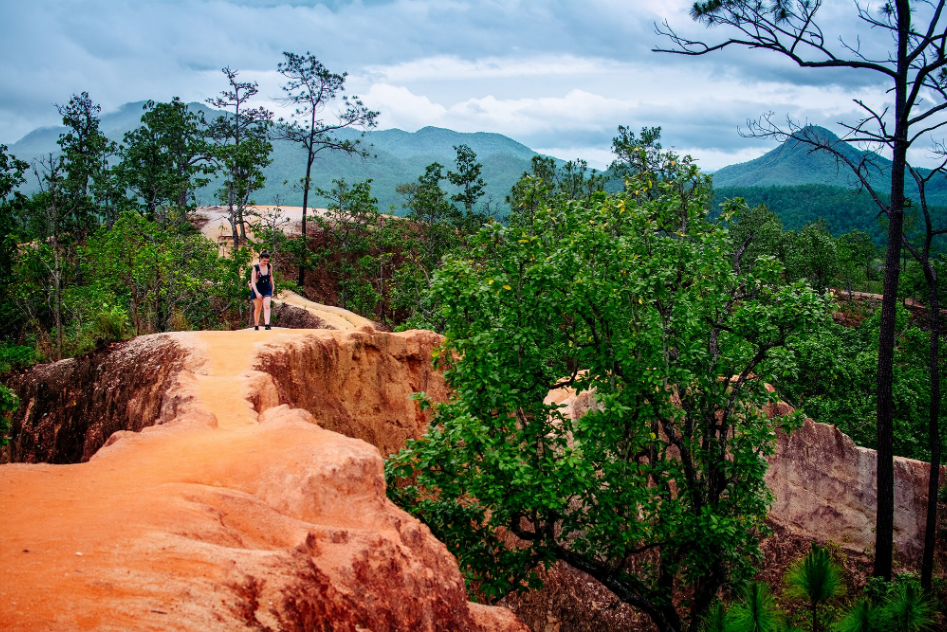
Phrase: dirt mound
[239,512]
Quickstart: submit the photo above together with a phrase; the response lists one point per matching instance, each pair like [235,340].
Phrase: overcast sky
[558,76]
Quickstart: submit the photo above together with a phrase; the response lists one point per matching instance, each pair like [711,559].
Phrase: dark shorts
[264,292]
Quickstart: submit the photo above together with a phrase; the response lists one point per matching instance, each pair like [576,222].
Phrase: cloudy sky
[556,75]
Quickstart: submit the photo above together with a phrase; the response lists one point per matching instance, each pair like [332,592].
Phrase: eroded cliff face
[237,510]
[824,489]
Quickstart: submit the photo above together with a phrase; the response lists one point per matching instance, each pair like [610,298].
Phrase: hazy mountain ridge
[794,163]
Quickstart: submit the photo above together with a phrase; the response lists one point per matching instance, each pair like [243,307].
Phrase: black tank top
[263,280]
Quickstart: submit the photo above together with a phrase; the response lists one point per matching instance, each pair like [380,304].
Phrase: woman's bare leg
[266,309]
[257,305]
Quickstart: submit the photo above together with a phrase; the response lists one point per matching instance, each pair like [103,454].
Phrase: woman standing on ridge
[261,288]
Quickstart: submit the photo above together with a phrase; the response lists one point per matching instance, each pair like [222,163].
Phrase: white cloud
[453,68]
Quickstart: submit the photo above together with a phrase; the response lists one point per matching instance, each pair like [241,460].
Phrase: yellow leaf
[507,287]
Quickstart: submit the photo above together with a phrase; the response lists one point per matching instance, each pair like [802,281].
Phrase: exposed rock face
[359,385]
[238,513]
[68,409]
[824,488]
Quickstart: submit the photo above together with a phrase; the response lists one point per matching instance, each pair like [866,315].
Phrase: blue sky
[556,75]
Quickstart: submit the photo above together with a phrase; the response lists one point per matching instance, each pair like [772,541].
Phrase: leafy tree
[49,175]
[816,578]
[855,254]
[165,159]
[910,610]
[242,147]
[546,182]
[352,216]
[162,273]
[310,89]
[911,69]
[12,176]
[639,154]
[85,154]
[811,254]
[667,467]
[471,184]
[863,616]
[758,233]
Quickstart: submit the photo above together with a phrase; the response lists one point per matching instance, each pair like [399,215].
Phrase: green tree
[758,233]
[910,69]
[311,89]
[166,275]
[545,182]
[855,254]
[667,466]
[351,219]
[165,159]
[639,154]
[242,147]
[467,178]
[863,616]
[85,154]
[816,578]
[12,176]
[909,609]
[811,254]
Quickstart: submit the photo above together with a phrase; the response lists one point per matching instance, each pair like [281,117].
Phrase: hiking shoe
[256,328]
[267,328]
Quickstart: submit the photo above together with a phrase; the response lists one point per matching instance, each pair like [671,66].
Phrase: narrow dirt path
[222,384]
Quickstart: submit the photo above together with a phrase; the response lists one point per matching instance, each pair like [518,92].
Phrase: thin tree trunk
[305,244]
[933,430]
[884,517]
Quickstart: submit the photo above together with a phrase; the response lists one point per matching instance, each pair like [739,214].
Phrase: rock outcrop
[824,489]
[237,511]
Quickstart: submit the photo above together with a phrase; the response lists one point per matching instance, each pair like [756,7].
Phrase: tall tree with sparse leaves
[311,89]
[242,147]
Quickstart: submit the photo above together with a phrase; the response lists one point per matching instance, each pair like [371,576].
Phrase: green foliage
[467,178]
[863,616]
[349,223]
[716,619]
[811,254]
[8,403]
[85,154]
[756,612]
[14,357]
[597,293]
[816,578]
[166,159]
[834,382]
[909,609]
[159,273]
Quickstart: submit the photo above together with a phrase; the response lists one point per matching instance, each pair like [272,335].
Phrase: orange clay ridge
[241,512]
